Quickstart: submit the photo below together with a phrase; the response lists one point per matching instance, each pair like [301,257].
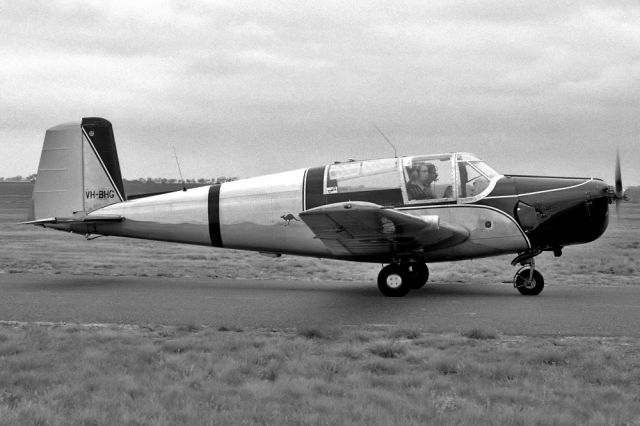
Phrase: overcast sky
[247,88]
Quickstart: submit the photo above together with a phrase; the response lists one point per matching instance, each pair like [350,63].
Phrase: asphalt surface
[561,310]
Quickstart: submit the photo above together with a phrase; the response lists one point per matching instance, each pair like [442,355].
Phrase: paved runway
[562,310]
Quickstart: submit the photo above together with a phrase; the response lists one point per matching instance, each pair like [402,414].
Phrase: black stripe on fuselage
[313,190]
[214,215]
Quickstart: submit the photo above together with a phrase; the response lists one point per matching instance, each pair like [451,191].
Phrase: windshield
[484,168]
[475,175]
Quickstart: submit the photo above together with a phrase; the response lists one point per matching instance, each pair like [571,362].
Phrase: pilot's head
[427,173]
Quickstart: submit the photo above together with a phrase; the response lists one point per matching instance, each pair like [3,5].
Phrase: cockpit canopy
[453,177]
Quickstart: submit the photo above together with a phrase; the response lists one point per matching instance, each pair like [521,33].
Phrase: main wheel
[526,284]
[394,281]
[418,274]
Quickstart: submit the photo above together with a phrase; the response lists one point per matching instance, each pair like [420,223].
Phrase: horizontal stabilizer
[74,221]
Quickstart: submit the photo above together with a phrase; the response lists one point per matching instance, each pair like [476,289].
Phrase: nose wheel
[528,281]
[396,279]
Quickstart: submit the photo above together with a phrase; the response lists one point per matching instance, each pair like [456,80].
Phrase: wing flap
[367,229]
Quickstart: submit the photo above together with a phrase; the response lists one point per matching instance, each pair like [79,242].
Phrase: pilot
[419,186]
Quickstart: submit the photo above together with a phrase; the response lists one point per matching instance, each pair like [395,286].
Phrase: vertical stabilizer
[79,170]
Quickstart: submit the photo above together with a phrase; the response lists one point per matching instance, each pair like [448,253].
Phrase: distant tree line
[633,193]
[203,181]
[19,178]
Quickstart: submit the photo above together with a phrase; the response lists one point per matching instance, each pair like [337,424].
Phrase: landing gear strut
[396,279]
[527,280]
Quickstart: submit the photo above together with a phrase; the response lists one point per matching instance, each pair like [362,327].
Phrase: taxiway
[450,307]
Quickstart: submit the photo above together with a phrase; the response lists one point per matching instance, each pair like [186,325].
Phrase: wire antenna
[184,186]
[395,152]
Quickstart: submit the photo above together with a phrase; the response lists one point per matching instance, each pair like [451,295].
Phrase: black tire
[528,287]
[393,280]
[418,274]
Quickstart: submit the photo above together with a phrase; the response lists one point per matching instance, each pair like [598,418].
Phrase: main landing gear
[527,280]
[396,279]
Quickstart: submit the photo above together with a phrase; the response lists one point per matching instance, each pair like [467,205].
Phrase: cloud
[246,77]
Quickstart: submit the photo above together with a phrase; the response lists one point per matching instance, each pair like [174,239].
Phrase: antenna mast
[184,186]
[395,152]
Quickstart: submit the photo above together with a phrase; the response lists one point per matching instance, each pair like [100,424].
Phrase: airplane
[403,212]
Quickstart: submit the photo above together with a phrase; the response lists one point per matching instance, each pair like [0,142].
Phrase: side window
[359,176]
[472,182]
[428,178]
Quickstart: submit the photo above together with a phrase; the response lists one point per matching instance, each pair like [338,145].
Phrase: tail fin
[79,170]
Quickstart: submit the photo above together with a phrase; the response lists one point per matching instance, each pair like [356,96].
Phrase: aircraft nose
[597,203]
[601,190]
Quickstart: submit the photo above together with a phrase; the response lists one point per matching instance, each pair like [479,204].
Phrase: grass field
[70,374]
[63,374]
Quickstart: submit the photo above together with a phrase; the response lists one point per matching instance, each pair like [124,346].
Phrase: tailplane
[78,172]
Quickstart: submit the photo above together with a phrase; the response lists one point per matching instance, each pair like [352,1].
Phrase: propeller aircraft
[404,212]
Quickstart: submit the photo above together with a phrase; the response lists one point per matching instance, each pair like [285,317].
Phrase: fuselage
[503,214]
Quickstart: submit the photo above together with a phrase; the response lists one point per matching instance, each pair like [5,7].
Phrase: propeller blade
[619,193]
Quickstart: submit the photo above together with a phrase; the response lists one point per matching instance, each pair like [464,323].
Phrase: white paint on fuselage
[491,231]
[253,215]
[180,216]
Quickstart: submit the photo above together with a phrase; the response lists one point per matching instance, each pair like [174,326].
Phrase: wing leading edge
[365,229]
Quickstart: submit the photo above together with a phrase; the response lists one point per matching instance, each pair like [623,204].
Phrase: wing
[365,229]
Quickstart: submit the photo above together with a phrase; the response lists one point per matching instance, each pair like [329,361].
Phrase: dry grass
[72,374]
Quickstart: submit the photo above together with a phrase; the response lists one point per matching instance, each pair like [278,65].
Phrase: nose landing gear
[527,280]
[396,279]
